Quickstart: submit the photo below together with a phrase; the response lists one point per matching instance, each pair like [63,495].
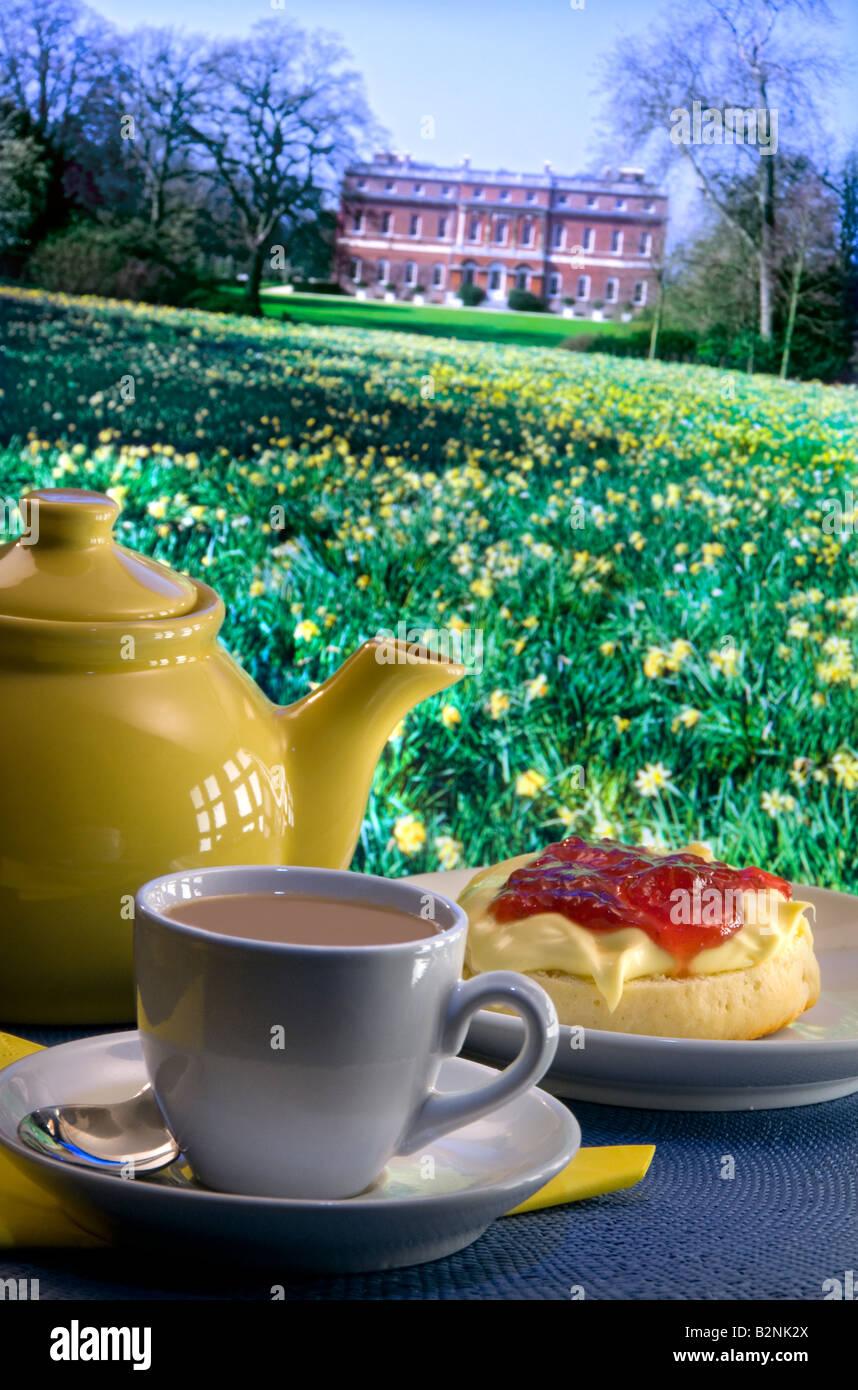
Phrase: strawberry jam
[684,904]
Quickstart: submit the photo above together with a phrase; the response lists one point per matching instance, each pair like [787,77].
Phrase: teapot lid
[66,566]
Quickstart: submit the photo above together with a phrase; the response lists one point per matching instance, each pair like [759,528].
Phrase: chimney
[548,166]
[466,161]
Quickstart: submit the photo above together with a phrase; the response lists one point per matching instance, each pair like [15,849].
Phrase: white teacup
[298,1071]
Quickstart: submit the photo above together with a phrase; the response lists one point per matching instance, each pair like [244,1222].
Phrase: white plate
[423,1207]
[814,1059]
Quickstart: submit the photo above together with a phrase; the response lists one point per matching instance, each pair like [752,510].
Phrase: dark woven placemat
[786,1221]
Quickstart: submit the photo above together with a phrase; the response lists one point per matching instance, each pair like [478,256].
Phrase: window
[474,229]
[410,272]
[414,224]
[390,187]
[616,241]
[418,188]
[522,278]
[619,204]
[442,226]
[561,197]
[527,233]
[354,270]
[639,296]
[555,284]
[478,193]
[582,289]
[386,222]
[645,244]
[592,200]
[530,197]
[468,272]
[361,183]
[611,287]
[558,237]
[649,206]
[446,191]
[437,277]
[496,277]
[357,222]
[501,231]
[382,272]
[504,195]
[587,239]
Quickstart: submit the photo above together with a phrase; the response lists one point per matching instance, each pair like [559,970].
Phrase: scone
[636,941]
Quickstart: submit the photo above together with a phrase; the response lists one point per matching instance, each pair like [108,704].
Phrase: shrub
[213,300]
[674,344]
[523,300]
[117,262]
[720,346]
[471,295]
[317,287]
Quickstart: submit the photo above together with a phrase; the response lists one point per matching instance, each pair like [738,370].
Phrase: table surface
[786,1221]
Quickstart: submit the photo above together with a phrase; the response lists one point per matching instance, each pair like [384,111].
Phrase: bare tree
[281,118]
[162,84]
[56,61]
[741,56]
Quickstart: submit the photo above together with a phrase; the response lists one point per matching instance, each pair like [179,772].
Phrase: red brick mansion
[409,229]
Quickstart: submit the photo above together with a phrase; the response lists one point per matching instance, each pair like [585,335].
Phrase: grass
[474,325]
[668,627]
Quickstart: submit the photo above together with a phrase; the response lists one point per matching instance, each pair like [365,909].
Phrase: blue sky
[508,82]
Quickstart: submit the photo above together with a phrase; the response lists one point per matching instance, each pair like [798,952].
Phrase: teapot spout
[333,737]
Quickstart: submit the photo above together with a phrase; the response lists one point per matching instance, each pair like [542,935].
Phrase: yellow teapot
[134,745]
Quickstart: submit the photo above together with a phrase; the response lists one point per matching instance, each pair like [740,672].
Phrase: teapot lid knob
[70,518]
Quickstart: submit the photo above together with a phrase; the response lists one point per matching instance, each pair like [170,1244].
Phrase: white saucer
[423,1207]
[814,1059]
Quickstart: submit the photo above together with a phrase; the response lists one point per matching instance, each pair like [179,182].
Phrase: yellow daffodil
[529,783]
[449,851]
[409,832]
[652,779]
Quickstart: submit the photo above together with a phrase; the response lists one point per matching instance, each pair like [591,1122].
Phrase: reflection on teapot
[135,745]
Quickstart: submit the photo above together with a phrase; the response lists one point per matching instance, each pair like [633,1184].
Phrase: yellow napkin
[31,1216]
[591,1173]
[28,1214]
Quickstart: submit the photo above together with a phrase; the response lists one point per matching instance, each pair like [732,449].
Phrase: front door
[497,282]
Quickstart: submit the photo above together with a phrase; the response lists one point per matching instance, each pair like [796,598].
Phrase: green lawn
[486,325]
